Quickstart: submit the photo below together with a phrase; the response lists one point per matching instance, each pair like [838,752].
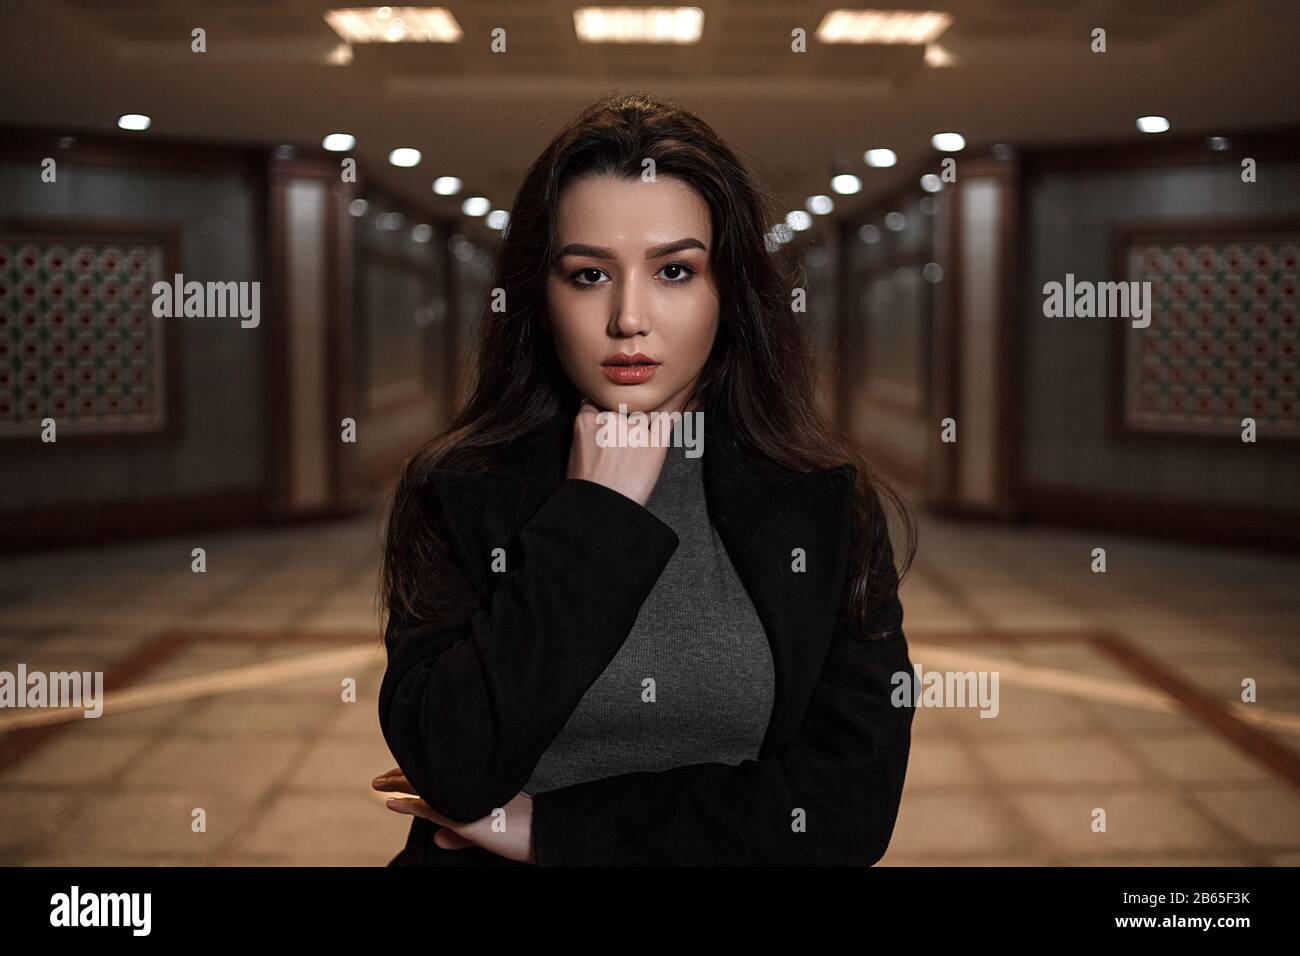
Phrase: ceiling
[1023,73]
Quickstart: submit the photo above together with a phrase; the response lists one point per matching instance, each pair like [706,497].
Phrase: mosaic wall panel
[1222,342]
[78,339]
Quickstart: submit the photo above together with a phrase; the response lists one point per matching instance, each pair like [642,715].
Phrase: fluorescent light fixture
[446,185]
[1153,124]
[798,220]
[497,219]
[882,26]
[134,121]
[846,184]
[475,206]
[404,156]
[880,158]
[394,24]
[819,205]
[339,142]
[638,24]
[931,183]
[948,142]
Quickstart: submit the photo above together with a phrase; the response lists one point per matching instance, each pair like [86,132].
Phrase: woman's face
[632,278]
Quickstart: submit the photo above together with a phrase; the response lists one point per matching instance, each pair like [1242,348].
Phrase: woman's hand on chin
[513,839]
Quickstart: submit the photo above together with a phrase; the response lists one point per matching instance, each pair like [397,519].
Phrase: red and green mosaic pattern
[1221,345]
[78,339]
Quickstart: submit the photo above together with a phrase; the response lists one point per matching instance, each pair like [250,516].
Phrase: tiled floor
[279,773]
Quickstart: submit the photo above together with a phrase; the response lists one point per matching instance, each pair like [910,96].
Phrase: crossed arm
[470,702]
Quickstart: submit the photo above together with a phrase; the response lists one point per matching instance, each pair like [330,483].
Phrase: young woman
[631,652]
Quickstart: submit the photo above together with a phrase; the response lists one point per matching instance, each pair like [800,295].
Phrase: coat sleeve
[471,699]
[843,769]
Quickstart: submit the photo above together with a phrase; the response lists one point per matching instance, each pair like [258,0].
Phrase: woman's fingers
[393,782]
[450,840]
[417,808]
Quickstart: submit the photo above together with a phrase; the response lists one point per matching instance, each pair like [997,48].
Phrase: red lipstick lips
[623,369]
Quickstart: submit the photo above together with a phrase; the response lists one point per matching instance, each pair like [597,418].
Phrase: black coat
[471,700]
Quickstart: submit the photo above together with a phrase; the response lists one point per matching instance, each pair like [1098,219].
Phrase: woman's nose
[632,311]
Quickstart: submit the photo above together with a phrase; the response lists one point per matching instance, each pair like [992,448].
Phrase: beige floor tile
[308,823]
[343,763]
[1029,712]
[1079,760]
[234,763]
[1130,721]
[1200,757]
[153,721]
[77,756]
[959,824]
[27,814]
[125,824]
[940,764]
[264,712]
[1144,821]
[1265,816]
[197,659]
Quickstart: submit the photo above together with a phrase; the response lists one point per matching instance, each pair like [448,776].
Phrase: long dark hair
[757,376]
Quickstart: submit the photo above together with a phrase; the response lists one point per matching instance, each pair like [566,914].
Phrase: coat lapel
[766,517]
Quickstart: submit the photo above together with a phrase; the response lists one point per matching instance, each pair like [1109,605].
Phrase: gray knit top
[693,681]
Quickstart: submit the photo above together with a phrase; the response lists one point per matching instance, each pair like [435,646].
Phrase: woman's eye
[684,271]
[583,272]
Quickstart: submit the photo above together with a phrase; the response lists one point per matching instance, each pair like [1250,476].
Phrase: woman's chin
[634,398]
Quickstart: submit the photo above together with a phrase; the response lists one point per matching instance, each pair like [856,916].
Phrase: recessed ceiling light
[882,26]
[341,55]
[819,205]
[938,57]
[357,208]
[895,221]
[446,185]
[798,220]
[422,232]
[497,219]
[339,142]
[948,142]
[931,183]
[880,157]
[638,24]
[1218,143]
[869,234]
[133,121]
[846,184]
[394,24]
[475,206]
[1153,124]
[404,156]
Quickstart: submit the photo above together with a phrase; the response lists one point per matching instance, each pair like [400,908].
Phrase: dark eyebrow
[658,252]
